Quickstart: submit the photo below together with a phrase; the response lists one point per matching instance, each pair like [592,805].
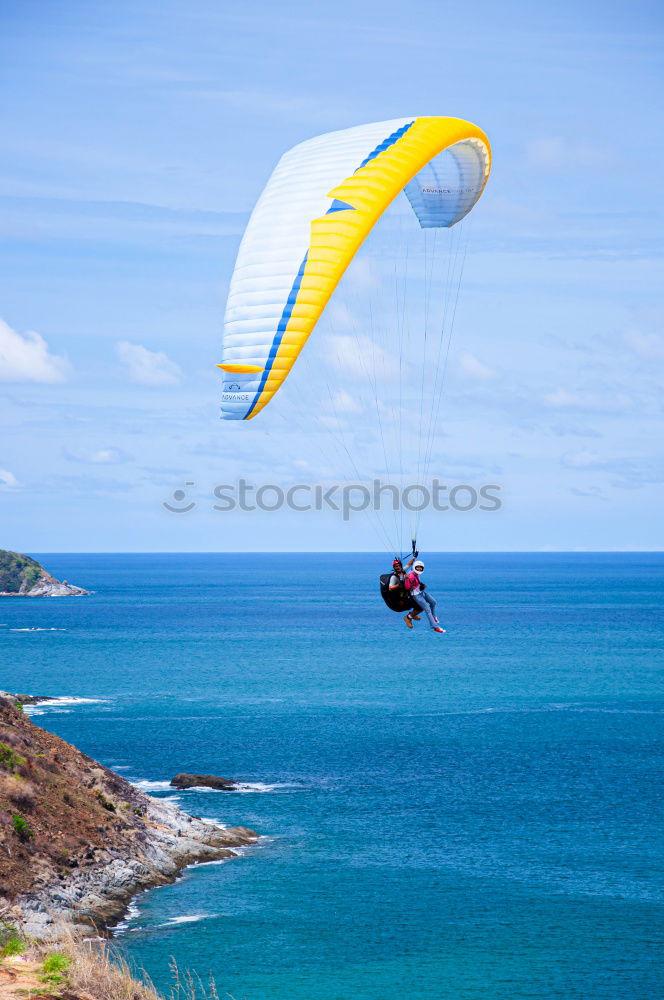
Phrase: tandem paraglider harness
[399,598]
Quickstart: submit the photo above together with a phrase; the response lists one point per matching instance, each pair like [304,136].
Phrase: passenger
[416,591]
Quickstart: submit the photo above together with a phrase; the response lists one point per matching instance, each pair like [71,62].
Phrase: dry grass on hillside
[17,791]
[100,973]
[87,970]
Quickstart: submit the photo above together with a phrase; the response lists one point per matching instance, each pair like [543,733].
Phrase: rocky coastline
[78,841]
[22,576]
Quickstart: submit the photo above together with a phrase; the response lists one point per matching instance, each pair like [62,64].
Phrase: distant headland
[21,576]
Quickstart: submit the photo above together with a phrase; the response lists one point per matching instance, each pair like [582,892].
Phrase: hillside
[77,841]
[22,576]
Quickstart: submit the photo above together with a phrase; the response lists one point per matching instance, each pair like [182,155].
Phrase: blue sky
[137,137]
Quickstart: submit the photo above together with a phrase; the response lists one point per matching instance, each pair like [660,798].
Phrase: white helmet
[418,565]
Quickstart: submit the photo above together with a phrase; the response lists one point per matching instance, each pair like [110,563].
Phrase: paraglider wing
[322,200]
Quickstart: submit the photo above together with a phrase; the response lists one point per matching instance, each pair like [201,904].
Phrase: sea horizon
[386,554]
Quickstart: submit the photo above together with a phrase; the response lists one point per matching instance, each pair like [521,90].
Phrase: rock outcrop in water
[77,841]
[203,781]
[21,576]
[26,699]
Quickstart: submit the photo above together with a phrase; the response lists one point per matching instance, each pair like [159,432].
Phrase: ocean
[476,814]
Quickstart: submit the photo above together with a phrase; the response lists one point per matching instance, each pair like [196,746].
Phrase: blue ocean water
[461,816]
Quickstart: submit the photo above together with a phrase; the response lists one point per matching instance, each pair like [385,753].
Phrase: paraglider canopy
[322,200]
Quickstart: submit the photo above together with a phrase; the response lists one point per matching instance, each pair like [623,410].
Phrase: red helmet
[396,562]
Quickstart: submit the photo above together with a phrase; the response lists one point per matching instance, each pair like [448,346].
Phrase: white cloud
[646,345]
[27,358]
[343,402]
[555,152]
[363,274]
[582,460]
[594,492]
[7,479]
[360,356]
[331,423]
[98,456]
[472,367]
[340,317]
[627,471]
[105,456]
[546,152]
[571,429]
[563,399]
[148,367]
[264,102]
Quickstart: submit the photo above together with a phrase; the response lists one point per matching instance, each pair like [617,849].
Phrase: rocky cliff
[77,841]
[21,576]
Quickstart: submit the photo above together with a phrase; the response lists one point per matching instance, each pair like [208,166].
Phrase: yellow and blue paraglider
[322,200]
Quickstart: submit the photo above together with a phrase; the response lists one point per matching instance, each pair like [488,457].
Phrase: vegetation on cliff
[77,841]
[18,573]
[57,807]
[22,576]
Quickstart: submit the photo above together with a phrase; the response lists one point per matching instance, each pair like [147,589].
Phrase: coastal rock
[21,576]
[86,840]
[185,780]
[26,699]
[47,586]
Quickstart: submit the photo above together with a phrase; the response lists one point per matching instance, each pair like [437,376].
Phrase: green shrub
[54,968]
[16,569]
[22,828]
[9,759]
[11,942]
[106,803]
[15,946]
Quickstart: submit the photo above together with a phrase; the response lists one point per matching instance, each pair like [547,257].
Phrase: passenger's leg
[422,602]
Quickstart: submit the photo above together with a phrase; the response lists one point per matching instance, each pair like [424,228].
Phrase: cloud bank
[26,358]
[148,367]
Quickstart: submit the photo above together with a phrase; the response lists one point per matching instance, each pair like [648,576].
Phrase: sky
[136,139]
